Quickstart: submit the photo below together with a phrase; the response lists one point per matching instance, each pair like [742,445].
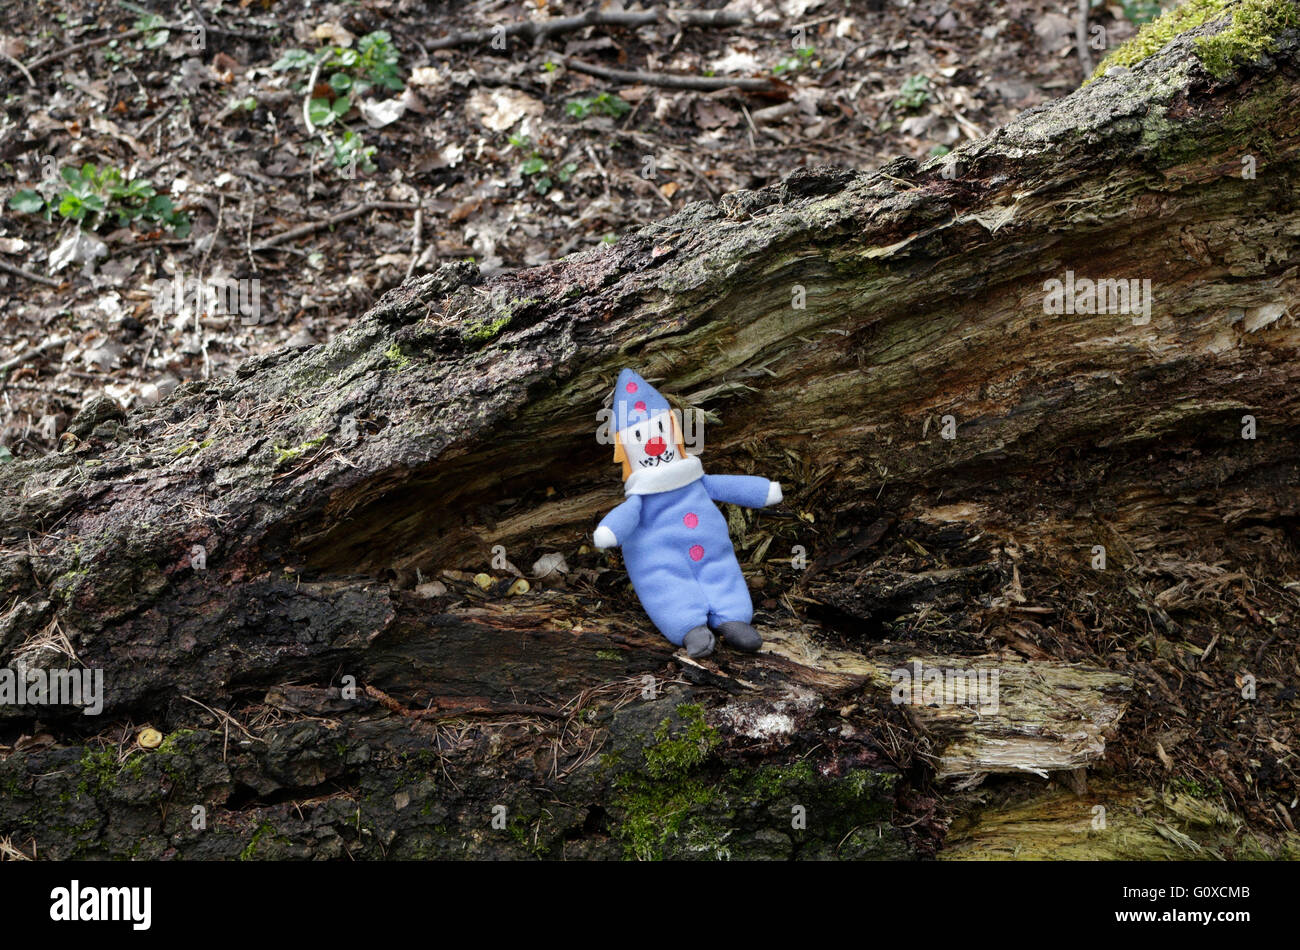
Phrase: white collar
[661,478]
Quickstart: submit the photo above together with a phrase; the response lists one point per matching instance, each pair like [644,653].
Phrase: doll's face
[650,442]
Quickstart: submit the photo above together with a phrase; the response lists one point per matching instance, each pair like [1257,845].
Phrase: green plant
[351,71]
[801,58]
[152,24]
[602,104]
[91,196]
[324,111]
[538,168]
[914,94]
[351,149]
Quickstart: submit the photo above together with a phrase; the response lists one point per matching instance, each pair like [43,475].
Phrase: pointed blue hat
[635,401]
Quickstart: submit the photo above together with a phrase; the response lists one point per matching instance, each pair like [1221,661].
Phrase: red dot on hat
[697,552]
[639,406]
[631,387]
[691,520]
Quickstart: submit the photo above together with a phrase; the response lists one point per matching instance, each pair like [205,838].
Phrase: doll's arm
[748,491]
[617,526]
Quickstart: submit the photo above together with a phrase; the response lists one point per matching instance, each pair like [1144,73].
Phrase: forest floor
[511,158]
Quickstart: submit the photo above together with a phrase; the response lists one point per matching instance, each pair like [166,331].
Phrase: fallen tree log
[1068,496]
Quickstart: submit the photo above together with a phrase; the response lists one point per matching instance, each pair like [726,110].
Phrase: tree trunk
[956,458]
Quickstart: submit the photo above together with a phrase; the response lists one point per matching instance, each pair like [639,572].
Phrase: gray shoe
[740,635]
[699,642]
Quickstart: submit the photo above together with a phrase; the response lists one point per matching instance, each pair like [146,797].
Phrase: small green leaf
[27,202]
[72,207]
[293,59]
[159,206]
[319,111]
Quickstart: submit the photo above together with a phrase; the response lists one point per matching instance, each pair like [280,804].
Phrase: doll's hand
[604,538]
[774,495]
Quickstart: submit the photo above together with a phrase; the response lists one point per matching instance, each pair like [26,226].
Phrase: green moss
[485,328]
[134,767]
[609,655]
[675,756]
[283,455]
[98,771]
[681,803]
[397,357]
[480,331]
[264,829]
[1244,127]
[654,812]
[1212,789]
[1252,32]
[656,804]
[773,781]
[524,834]
[169,745]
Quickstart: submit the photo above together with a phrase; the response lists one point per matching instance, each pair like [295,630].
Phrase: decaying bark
[458,415]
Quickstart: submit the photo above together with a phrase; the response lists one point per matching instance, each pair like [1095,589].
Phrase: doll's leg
[674,600]
[730,608]
[728,594]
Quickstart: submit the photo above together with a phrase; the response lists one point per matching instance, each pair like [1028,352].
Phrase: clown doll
[674,538]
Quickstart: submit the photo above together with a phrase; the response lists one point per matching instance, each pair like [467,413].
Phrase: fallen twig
[19,272]
[32,351]
[533,31]
[448,711]
[339,218]
[306,101]
[768,87]
[98,41]
[21,68]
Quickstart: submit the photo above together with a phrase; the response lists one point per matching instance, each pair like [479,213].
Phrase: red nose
[655,446]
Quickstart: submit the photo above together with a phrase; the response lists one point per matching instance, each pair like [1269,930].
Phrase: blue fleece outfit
[675,542]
